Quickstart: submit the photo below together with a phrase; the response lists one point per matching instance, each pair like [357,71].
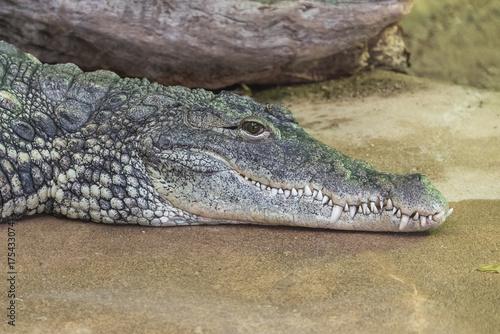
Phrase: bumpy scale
[94,146]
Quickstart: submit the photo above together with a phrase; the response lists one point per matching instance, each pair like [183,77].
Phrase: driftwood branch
[211,43]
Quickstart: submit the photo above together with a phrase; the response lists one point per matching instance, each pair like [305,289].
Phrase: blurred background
[456,41]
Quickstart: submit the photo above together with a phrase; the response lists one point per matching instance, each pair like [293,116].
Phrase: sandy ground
[455,41]
[77,277]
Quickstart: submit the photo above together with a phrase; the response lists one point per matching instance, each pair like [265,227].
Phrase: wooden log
[211,43]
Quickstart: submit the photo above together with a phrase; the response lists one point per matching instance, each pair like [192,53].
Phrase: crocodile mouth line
[365,208]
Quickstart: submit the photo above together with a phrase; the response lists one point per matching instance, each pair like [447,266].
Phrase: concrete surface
[77,277]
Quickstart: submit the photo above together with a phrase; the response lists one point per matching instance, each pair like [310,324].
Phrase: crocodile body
[94,146]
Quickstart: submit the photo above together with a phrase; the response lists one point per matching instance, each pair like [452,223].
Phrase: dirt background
[456,41]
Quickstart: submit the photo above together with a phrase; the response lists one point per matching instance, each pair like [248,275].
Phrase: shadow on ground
[87,278]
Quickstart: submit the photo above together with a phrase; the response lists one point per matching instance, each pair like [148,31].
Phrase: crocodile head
[230,159]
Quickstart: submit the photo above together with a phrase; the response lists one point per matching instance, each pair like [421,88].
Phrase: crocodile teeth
[366,211]
[442,216]
[438,216]
[319,196]
[366,208]
[404,222]
[307,191]
[423,221]
[325,199]
[447,214]
[352,210]
[336,212]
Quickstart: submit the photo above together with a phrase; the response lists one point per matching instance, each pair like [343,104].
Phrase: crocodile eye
[253,128]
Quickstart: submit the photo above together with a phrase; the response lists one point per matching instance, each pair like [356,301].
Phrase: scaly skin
[94,146]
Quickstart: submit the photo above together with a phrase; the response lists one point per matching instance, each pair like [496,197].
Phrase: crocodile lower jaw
[370,209]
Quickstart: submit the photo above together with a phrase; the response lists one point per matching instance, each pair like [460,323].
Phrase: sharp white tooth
[336,212]
[381,204]
[416,216]
[246,178]
[319,196]
[448,213]
[398,214]
[307,191]
[352,210]
[294,192]
[437,217]
[280,191]
[263,187]
[257,184]
[404,222]
[253,182]
[330,203]
[274,191]
[429,218]
[366,211]
[373,207]
[315,192]
[423,221]
[287,193]
[325,199]
[360,209]
[346,207]
[394,210]
[389,205]
[301,192]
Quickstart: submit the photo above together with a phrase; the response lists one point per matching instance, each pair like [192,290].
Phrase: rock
[212,43]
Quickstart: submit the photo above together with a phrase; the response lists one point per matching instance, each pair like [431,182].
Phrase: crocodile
[97,147]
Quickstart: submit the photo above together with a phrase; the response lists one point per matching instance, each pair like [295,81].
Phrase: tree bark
[211,43]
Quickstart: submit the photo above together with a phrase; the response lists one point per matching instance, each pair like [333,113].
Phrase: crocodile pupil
[252,128]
